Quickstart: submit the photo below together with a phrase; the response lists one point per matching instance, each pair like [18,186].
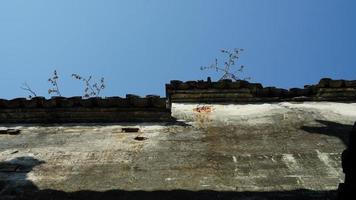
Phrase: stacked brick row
[78,110]
[336,89]
[243,91]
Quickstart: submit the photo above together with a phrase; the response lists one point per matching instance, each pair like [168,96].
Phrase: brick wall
[76,110]
[243,91]
[153,108]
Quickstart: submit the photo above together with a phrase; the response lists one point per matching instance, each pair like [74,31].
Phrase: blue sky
[138,46]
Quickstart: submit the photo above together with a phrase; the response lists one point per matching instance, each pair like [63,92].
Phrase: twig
[26,87]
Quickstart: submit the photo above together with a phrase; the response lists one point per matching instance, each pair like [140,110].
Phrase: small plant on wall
[228,68]
[54,82]
[91,89]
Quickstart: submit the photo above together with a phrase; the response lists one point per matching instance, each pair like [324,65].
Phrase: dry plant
[53,80]
[91,89]
[227,68]
[27,88]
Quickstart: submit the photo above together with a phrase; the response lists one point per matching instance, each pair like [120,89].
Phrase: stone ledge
[243,91]
[131,101]
[83,115]
[133,108]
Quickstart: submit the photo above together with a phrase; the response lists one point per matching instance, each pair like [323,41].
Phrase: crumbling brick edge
[133,108]
[227,91]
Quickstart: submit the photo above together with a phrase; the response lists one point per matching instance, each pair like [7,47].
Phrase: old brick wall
[154,108]
[243,91]
[77,110]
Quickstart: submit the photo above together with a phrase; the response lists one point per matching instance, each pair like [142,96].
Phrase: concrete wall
[243,91]
[75,109]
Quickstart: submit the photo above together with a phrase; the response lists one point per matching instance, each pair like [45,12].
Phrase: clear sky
[138,46]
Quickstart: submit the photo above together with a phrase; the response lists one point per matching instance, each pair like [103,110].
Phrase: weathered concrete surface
[277,148]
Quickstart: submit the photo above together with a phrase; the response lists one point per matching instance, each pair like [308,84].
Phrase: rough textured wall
[252,151]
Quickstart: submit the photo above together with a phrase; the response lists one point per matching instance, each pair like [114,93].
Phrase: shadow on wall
[13,174]
[330,128]
[18,187]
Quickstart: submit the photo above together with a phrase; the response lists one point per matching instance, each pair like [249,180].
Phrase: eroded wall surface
[234,148]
